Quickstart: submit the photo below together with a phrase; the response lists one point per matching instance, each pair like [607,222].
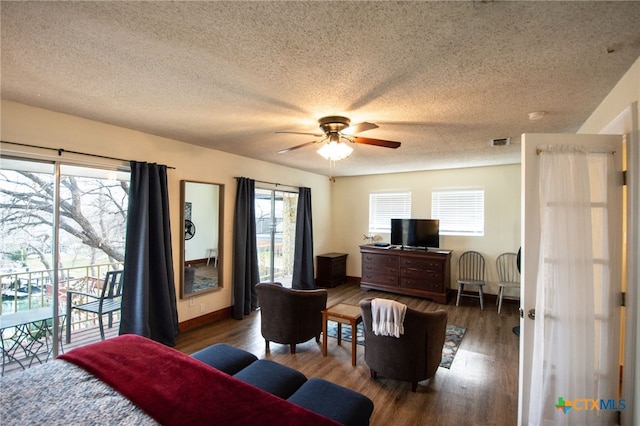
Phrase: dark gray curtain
[245,250]
[149,293]
[303,256]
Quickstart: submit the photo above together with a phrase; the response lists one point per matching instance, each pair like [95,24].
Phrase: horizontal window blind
[383,206]
[460,211]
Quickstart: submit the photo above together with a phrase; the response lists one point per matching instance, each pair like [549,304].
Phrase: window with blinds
[460,211]
[383,206]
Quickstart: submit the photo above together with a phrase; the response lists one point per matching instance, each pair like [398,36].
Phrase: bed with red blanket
[134,380]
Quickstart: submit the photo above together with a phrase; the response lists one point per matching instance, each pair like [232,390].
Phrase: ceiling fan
[337,130]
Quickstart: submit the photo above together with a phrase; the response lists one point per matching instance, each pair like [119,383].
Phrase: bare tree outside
[93,215]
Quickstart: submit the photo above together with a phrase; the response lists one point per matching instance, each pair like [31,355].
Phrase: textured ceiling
[443,78]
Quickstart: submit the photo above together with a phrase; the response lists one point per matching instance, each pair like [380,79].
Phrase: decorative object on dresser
[332,269]
[422,273]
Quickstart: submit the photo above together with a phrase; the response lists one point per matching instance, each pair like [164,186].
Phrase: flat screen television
[415,233]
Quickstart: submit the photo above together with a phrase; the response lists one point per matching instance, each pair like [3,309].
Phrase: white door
[531,230]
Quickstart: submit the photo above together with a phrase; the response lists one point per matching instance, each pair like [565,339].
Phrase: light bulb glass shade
[335,151]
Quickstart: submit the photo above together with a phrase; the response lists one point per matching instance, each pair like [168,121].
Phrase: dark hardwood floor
[481,388]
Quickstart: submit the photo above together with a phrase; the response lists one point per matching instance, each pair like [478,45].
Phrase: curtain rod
[270,183]
[540,151]
[61,151]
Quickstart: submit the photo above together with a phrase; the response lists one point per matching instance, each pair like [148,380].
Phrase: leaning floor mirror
[201,242]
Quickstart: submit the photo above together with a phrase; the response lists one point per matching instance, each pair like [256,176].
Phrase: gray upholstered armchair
[290,316]
[415,355]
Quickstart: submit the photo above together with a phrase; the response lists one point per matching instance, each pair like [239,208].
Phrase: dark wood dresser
[331,269]
[422,273]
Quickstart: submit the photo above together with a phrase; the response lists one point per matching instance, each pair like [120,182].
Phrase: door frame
[626,123]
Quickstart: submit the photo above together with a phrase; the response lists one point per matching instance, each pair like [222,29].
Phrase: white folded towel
[387,317]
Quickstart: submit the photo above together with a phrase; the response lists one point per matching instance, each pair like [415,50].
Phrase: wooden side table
[342,313]
[332,269]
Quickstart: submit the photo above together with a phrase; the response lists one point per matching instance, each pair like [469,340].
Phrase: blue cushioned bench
[334,401]
[225,357]
[320,396]
[272,377]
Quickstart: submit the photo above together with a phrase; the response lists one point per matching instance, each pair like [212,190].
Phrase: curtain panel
[149,294]
[303,272]
[245,250]
[576,342]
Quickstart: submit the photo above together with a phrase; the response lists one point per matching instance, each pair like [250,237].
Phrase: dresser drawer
[420,284]
[380,259]
[380,279]
[422,264]
[418,274]
[378,268]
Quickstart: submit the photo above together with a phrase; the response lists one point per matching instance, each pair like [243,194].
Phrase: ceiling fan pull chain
[332,165]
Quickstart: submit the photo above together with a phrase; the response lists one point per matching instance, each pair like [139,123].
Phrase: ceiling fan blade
[303,133]
[282,151]
[360,127]
[376,142]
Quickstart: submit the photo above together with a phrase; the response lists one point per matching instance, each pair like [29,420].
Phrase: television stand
[420,272]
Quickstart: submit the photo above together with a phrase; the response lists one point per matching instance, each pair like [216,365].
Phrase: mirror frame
[183,186]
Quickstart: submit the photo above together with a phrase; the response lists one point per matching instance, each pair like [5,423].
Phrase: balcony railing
[22,291]
[29,290]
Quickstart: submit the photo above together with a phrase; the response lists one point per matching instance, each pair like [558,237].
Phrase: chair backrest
[471,266]
[416,354]
[112,286]
[289,315]
[507,267]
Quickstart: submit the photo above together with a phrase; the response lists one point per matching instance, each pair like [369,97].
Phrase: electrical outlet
[202,308]
[192,301]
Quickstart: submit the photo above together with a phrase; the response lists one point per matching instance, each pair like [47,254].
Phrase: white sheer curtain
[576,342]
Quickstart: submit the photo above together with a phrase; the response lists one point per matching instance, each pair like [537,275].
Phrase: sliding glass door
[276,230]
[62,227]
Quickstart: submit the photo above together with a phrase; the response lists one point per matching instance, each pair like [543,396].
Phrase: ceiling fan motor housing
[334,124]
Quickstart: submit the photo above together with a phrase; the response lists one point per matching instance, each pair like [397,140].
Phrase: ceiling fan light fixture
[335,151]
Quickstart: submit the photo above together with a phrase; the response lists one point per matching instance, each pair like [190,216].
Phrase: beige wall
[350,198]
[29,125]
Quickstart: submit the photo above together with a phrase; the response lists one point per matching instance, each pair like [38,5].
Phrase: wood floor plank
[481,388]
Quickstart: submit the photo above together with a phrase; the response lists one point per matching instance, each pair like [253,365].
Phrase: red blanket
[176,389]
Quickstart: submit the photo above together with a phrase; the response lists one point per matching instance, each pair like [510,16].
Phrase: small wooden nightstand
[332,269]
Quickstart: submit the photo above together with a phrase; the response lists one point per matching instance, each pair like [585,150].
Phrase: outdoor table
[24,335]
